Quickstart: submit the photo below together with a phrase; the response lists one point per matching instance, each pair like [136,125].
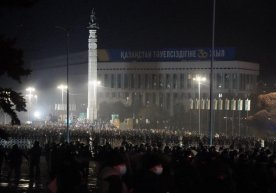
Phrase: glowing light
[95,83]
[37,114]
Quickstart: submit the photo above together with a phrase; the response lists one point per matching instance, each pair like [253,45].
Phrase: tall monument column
[92,68]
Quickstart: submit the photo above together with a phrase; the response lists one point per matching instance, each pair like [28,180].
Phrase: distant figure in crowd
[34,159]
[110,179]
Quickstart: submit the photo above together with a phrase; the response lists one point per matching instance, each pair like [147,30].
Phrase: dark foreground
[25,185]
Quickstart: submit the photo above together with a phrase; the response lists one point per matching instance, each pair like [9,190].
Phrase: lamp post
[199,79]
[211,117]
[30,95]
[66,30]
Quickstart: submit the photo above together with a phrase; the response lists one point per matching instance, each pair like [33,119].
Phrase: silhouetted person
[149,180]
[15,157]
[110,178]
[2,156]
[34,159]
[68,174]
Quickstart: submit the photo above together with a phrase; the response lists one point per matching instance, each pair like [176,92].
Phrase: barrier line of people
[141,161]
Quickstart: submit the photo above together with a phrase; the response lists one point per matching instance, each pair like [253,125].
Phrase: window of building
[247,81]
[146,81]
[125,80]
[189,82]
[175,97]
[161,100]
[242,82]
[154,98]
[174,81]
[168,81]
[234,81]
[168,100]
[134,98]
[112,81]
[219,80]
[119,81]
[161,81]
[147,98]
[106,80]
[226,81]
[139,81]
[132,81]
[182,81]
[140,98]
[154,81]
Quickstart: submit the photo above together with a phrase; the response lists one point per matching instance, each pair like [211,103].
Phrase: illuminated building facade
[164,78]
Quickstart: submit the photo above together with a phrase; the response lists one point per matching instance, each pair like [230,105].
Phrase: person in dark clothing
[110,178]
[68,174]
[34,158]
[15,158]
[2,156]
[149,180]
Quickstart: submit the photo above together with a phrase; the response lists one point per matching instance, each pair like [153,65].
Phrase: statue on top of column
[92,23]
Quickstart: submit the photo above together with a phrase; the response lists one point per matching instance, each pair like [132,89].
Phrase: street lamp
[211,117]
[30,95]
[199,79]
[30,90]
[62,88]
[66,30]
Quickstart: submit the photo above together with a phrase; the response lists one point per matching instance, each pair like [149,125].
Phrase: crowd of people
[57,133]
[151,168]
[13,159]
[141,161]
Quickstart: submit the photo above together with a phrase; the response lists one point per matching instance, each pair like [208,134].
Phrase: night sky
[247,25]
